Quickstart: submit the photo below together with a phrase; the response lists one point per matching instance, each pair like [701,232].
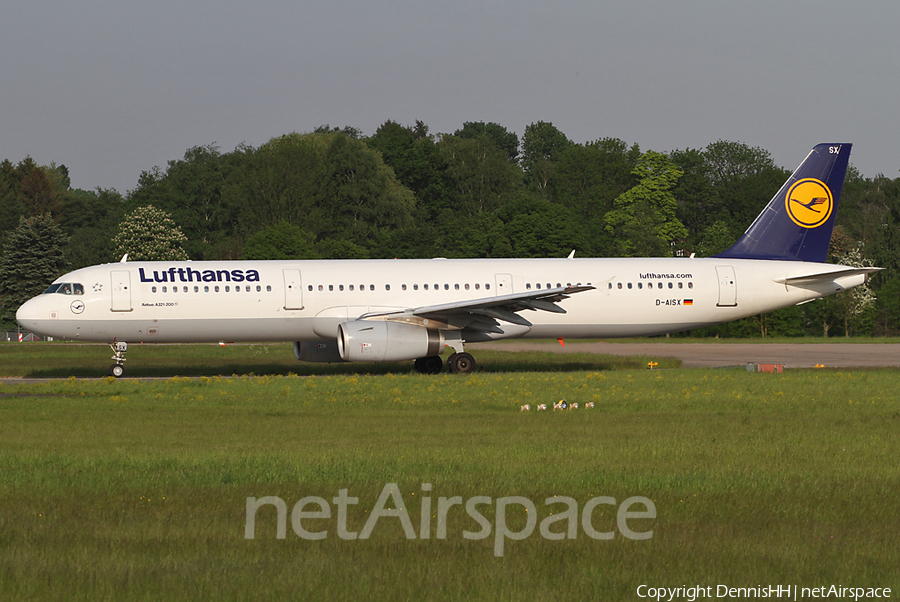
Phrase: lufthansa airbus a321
[395,310]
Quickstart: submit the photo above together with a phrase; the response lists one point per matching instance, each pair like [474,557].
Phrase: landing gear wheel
[116,370]
[433,364]
[461,363]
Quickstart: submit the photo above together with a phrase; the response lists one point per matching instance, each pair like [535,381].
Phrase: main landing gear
[118,369]
[459,363]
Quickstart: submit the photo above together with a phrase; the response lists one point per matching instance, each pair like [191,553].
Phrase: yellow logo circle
[809,203]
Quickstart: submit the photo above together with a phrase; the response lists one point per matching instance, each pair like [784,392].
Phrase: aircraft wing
[483,314]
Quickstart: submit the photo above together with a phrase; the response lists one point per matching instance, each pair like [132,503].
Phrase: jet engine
[380,341]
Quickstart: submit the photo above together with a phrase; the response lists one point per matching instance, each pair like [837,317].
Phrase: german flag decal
[688,301]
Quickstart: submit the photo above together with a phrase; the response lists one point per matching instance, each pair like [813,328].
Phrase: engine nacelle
[317,351]
[380,341]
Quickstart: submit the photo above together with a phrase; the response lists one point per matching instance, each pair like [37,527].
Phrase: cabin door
[121,290]
[727,286]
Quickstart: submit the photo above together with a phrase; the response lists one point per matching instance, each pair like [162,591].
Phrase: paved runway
[698,355]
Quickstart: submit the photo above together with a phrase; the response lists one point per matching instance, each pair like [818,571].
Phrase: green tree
[33,257]
[28,189]
[745,179]
[482,178]
[91,220]
[194,192]
[149,234]
[281,241]
[888,309]
[716,238]
[362,197]
[644,222]
[542,144]
[505,140]
[586,180]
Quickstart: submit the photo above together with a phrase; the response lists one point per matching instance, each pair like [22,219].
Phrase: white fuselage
[164,302]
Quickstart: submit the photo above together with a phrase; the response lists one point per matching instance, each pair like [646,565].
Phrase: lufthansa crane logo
[77,306]
[809,203]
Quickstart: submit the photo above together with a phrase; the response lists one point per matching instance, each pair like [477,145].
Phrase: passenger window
[425,286]
[341,287]
[228,288]
[487,286]
[640,285]
[477,286]
[446,287]
[415,287]
[659,285]
[528,286]
[610,285]
[371,287]
[403,287]
[681,285]
[690,285]
[247,288]
[196,289]
[206,289]
[217,288]
[164,289]
[258,288]
[387,287]
[629,285]
[671,285]
[330,288]
[456,287]
[268,288]
[619,285]
[152,289]
[309,288]
[351,287]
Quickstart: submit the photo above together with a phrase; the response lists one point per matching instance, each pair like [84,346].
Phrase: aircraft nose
[29,314]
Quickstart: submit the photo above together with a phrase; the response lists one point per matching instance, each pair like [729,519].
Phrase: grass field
[137,490]
[55,360]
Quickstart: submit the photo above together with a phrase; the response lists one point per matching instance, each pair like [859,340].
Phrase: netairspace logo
[789,592]
[390,505]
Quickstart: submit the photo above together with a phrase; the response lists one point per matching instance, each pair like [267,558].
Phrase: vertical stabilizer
[796,225]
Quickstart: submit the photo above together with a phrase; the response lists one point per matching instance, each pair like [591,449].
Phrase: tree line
[481,191]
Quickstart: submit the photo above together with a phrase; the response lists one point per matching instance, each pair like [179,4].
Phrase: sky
[115,87]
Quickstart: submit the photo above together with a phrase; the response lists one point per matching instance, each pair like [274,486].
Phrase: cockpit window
[65,288]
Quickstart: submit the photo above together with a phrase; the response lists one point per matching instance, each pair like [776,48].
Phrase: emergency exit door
[293,290]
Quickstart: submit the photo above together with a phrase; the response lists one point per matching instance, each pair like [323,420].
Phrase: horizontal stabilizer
[828,276]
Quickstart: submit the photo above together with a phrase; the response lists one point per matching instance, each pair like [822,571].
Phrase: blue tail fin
[796,224]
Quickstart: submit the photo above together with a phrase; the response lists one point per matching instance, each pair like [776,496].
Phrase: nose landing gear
[118,369]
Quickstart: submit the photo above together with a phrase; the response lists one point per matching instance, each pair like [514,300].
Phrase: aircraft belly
[180,330]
